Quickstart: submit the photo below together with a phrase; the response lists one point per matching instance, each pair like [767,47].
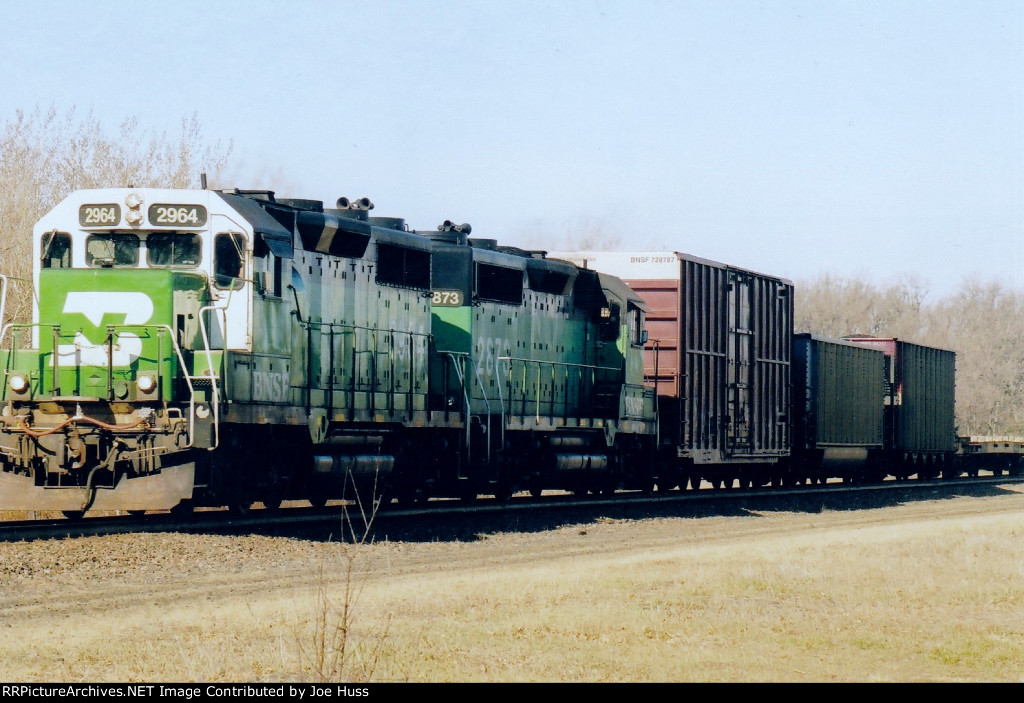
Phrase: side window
[276,287]
[401,266]
[56,250]
[636,326]
[106,250]
[228,260]
[267,272]
[499,283]
[608,327]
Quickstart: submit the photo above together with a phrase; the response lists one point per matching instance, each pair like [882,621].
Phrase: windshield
[173,249]
[103,250]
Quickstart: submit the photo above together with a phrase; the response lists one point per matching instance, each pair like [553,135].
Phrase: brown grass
[776,597]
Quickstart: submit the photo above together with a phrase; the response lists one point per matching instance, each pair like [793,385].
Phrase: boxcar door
[740,364]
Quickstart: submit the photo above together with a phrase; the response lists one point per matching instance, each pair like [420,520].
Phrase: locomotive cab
[139,293]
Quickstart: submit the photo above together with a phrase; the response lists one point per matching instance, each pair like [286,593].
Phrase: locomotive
[227,347]
[203,347]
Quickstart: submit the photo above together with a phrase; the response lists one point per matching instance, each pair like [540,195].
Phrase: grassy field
[928,593]
[935,601]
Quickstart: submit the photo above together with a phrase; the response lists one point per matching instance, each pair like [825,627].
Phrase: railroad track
[453,519]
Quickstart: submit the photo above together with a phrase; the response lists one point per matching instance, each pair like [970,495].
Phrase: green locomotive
[200,347]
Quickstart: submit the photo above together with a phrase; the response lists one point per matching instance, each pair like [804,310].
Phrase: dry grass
[935,599]
[866,605]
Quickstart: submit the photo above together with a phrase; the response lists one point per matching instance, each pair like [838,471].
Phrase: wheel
[183,509]
[467,493]
[502,492]
[240,509]
[317,502]
[73,514]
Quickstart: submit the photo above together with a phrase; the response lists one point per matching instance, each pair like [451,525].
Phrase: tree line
[982,321]
[47,154]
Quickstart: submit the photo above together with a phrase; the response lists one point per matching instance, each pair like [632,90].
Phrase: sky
[873,139]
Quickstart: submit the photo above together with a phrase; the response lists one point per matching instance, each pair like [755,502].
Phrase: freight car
[838,410]
[742,398]
[918,389]
[990,453]
[198,347]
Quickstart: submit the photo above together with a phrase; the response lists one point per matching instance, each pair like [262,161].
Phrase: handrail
[214,391]
[466,405]
[487,404]
[554,365]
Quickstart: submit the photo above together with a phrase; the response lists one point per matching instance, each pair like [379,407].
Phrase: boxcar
[918,397]
[837,407]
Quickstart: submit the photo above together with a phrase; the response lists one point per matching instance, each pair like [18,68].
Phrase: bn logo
[135,308]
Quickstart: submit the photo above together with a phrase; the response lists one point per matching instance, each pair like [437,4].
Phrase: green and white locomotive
[201,347]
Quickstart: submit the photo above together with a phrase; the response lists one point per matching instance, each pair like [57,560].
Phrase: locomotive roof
[277,237]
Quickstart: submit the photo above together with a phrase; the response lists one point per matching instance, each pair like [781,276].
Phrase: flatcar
[201,347]
[997,454]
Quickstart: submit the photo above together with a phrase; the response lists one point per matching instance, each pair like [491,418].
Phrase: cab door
[231,286]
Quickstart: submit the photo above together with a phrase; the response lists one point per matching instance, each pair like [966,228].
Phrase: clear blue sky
[875,138]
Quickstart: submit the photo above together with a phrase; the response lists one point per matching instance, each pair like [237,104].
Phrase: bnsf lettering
[269,387]
[651,259]
[633,406]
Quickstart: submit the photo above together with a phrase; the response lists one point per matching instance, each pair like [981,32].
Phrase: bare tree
[44,156]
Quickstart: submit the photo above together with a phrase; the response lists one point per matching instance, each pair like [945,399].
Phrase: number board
[99,215]
[177,215]
[447,298]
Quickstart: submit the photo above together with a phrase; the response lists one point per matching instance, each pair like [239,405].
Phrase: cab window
[228,249]
[106,250]
[608,326]
[168,249]
[56,250]
[636,326]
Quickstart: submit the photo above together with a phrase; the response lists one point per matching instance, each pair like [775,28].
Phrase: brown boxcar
[718,354]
